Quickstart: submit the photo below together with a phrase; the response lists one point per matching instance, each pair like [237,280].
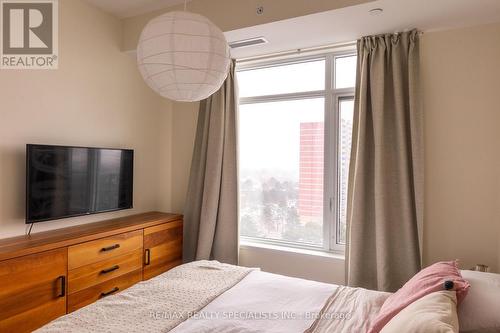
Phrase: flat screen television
[66,182]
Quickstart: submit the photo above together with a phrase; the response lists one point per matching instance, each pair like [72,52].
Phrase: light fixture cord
[185,5]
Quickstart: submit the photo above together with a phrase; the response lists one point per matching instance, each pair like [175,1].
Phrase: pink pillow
[428,280]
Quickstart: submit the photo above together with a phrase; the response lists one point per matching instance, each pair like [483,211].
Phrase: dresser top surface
[48,240]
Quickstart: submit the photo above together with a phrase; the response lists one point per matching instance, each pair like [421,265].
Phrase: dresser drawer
[94,293]
[93,274]
[102,249]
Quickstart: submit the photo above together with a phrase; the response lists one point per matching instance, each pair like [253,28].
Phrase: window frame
[332,97]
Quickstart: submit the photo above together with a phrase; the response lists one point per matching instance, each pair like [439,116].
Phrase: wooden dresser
[49,274]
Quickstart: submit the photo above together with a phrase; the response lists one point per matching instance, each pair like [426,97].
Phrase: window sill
[280,248]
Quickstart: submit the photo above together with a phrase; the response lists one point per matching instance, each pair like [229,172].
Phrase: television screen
[74,181]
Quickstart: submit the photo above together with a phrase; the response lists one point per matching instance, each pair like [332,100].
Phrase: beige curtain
[211,211]
[385,203]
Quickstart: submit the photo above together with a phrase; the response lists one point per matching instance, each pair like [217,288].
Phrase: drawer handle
[62,280]
[109,270]
[147,260]
[110,248]
[112,291]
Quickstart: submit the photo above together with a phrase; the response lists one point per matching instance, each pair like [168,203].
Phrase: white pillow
[433,313]
[480,310]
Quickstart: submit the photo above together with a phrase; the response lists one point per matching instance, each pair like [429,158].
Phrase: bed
[207,296]
[211,297]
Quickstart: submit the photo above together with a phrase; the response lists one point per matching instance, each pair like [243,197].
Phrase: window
[295,128]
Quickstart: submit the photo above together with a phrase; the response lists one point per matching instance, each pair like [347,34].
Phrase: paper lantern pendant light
[183,56]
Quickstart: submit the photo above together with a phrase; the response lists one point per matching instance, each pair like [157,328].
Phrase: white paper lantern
[183,56]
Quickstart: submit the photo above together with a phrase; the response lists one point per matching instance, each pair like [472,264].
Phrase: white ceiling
[128,8]
[348,24]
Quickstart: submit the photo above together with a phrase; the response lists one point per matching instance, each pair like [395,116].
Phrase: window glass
[282,166]
[298,77]
[281,170]
[345,72]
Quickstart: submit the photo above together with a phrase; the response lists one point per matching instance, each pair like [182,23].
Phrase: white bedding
[265,302]
[262,295]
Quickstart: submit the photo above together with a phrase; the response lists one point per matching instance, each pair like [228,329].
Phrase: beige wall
[461,77]
[243,13]
[96,98]
[185,120]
